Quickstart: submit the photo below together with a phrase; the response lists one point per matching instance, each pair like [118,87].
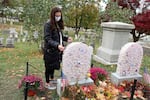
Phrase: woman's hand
[61,48]
[69,39]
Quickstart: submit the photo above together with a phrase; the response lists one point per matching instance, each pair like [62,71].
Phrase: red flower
[121,88]
[98,73]
[87,89]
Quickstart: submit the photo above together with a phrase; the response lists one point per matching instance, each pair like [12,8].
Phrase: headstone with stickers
[76,63]
[129,63]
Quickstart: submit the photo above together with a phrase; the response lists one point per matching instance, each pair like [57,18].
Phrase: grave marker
[115,35]
[13,33]
[129,63]
[1,42]
[76,63]
[10,43]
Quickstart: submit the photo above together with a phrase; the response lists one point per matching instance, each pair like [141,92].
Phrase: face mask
[57,18]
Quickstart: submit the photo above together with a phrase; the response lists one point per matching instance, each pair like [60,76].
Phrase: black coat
[52,55]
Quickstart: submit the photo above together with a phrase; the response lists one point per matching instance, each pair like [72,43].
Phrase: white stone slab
[115,35]
[116,79]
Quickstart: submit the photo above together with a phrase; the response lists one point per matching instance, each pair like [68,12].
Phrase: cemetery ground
[13,67]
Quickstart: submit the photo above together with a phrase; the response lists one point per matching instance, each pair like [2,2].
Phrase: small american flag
[146,76]
[64,81]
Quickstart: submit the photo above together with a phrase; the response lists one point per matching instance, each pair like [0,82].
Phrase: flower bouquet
[125,88]
[34,84]
[98,74]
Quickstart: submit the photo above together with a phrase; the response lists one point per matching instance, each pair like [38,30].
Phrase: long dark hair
[53,23]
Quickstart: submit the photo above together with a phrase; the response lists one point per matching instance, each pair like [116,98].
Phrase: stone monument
[115,35]
[129,63]
[1,42]
[10,43]
[13,34]
[76,64]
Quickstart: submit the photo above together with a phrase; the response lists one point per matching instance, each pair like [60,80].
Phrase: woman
[53,44]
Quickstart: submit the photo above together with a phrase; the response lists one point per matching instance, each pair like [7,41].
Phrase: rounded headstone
[76,61]
[130,59]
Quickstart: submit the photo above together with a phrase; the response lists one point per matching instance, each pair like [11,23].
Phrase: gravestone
[10,43]
[35,35]
[76,63]
[1,42]
[115,35]
[25,36]
[1,20]
[21,30]
[13,34]
[6,31]
[129,63]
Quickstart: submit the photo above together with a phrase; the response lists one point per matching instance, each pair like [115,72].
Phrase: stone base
[81,82]
[101,60]
[1,46]
[116,79]
[9,46]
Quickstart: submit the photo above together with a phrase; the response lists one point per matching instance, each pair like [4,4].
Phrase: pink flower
[98,73]
[33,81]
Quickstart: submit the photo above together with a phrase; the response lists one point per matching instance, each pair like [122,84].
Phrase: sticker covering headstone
[76,61]
[129,60]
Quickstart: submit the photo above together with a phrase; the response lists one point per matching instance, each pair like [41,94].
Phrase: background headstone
[10,43]
[129,63]
[35,35]
[13,34]
[115,35]
[1,42]
[25,36]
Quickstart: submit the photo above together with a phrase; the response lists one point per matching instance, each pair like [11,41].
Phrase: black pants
[49,73]
[52,63]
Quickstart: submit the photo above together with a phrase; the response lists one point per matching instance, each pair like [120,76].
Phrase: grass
[13,66]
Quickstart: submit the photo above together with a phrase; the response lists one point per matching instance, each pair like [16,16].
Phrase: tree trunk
[135,35]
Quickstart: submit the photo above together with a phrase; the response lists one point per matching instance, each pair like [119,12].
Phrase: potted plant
[98,74]
[35,84]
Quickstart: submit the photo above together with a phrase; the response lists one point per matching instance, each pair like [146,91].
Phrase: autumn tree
[140,18]
[114,13]
[81,13]
[35,14]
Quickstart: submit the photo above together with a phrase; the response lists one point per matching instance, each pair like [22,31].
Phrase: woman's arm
[67,39]
[48,36]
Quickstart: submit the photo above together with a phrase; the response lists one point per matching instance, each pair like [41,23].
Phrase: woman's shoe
[50,86]
[54,81]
